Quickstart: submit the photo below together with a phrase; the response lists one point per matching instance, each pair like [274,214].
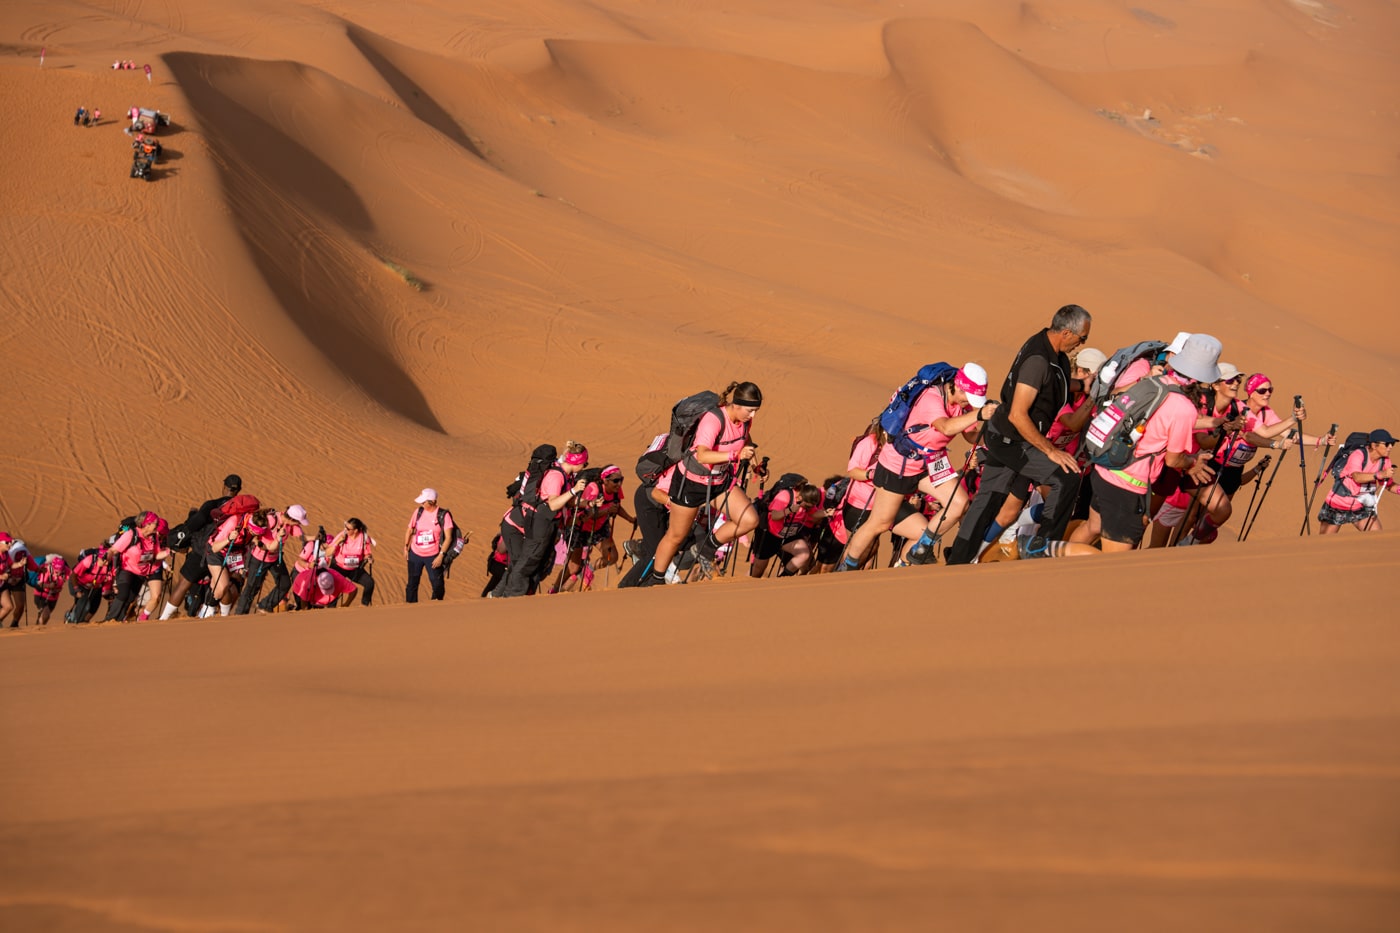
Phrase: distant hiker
[228,552]
[425,543]
[582,523]
[140,554]
[80,116]
[273,534]
[908,524]
[1122,488]
[530,528]
[918,460]
[1263,427]
[93,578]
[351,553]
[1018,455]
[706,477]
[96,117]
[15,565]
[198,526]
[49,586]
[321,589]
[614,509]
[1359,479]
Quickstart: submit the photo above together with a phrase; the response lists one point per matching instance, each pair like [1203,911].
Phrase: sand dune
[608,206]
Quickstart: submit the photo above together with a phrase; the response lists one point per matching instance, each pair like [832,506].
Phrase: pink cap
[325,582]
[427,495]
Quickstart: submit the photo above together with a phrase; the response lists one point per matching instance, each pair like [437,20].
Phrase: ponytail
[742,393]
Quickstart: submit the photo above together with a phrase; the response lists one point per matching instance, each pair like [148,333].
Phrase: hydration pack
[896,414]
[667,449]
[1112,437]
[1102,386]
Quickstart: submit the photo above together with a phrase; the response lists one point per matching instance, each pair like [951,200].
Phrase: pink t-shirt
[306,587]
[1170,430]
[425,537]
[1241,451]
[1062,437]
[313,553]
[1359,461]
[864,456]
[928,408]
[717,433]
[353,551]
[138,554]
[584,517]
[553,484]
[232,530]
[52,578]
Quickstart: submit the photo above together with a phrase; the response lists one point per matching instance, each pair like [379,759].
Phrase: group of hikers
[231,550]
[1082,453]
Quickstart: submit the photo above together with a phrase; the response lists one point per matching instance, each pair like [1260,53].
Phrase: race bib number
[146,561]
[1240,455]
[237,562]
[425,538]
[940,470]
[348,562]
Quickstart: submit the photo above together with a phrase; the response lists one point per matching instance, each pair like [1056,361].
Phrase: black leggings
[128,588]
[361,576]
[652,521]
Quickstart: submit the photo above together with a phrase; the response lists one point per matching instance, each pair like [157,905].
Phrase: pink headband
[612,470]
[577,459]
[1255,381]
[967,385]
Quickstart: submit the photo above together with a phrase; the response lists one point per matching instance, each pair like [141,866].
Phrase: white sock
[206,612]
[225,608]
[169,610]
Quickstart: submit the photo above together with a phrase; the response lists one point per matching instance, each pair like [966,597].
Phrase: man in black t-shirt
[198,525]
[1018,456]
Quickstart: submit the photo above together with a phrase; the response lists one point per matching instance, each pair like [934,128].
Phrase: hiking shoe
[1031,546]
[629,548]
[1207,534]
[704,567]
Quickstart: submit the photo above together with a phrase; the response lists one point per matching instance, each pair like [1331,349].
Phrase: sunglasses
[1235,381]
[1268,390]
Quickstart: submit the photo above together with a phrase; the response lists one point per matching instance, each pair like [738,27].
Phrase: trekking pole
[1265,493]
[1302,461]
[568,542]
[731,560]
[1258,479]
[1317,484]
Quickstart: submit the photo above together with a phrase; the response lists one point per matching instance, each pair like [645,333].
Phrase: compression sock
[993,532]
[850,563]
[169,611]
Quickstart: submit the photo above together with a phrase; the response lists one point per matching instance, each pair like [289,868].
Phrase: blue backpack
[896,414]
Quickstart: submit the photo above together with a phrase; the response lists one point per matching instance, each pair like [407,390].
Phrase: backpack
[1356,440]
[893,419]
[1102,386]
[668,449]
[788,482]
[1112,436]
[242,504]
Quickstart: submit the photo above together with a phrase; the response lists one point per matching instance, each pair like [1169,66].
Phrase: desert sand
[611,205]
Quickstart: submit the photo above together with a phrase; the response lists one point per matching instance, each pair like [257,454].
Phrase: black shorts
[41,603]
[688,494]
[15,586]
[1230,478]
[766,545]
[855,517]
[193,568]
[1121,511]
[828,548]
[1170,480]
[889,480]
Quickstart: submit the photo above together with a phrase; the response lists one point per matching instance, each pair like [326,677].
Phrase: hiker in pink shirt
[1121,496]
[1355,494]
[351,555]
[705,478]
[791,519]
[937,416]
[908,522]
[321,589]
[425,542]
[52,576]
[141,554]
[93,577]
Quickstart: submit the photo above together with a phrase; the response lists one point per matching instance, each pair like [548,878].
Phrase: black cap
[1381,436]
[233,481]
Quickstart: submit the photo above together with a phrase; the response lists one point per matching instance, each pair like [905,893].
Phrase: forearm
[1021,421]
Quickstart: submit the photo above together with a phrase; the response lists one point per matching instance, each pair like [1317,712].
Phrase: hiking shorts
[1330,516]
[692,495]
[193,569]
[886,478]
[1121,511]
[41,603]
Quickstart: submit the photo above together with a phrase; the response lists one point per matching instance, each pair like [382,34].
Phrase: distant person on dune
[52,576]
